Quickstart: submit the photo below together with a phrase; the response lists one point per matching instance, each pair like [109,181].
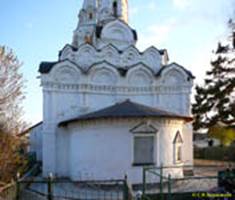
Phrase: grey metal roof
[45,67]
[200,136]
[126,109]
[29,129]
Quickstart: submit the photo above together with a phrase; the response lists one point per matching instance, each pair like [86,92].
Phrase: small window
[90,16]
[178,142]
[115,9]
[144,136]
[143,150]
[179,154]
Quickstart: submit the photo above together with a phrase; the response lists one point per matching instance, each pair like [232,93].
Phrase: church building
[110,109]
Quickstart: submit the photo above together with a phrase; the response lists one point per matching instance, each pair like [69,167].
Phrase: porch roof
[127,109]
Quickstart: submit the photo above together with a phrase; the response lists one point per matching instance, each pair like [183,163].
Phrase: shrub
[215,153]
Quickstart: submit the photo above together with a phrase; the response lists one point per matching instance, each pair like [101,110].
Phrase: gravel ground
[204,179]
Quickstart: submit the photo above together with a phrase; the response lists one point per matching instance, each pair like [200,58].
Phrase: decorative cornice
[104,89]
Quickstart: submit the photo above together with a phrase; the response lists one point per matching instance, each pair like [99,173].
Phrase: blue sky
[37,30]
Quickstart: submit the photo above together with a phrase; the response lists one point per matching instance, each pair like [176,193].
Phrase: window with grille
[143,150]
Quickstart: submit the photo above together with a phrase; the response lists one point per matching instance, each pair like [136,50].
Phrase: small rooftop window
[90,16]
[115,9]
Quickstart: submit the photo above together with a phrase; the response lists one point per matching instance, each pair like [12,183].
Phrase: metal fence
[188,182]
[35,188]
[50,189]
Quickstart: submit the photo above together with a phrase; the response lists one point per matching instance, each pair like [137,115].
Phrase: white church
[109,109]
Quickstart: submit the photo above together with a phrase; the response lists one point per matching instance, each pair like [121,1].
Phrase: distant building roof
[126,109]
[29,129]
[200,136]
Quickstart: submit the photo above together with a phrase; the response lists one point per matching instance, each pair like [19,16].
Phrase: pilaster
[49,134]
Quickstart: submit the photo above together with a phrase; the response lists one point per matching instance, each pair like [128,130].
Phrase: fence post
[18,186]
[169,187]
[125,189]
[49,187]
[161,182]
[144,181]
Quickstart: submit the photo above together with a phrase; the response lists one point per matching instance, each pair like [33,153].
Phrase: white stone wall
[188,144]
[103,150]
[97,72]
[36,141]
[68,92]
[62,154]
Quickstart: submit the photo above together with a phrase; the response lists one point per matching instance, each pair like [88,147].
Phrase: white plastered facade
[99,70]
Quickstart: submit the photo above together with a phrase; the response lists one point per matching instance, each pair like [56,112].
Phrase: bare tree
[11,94]
[11,123]
[11,159]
